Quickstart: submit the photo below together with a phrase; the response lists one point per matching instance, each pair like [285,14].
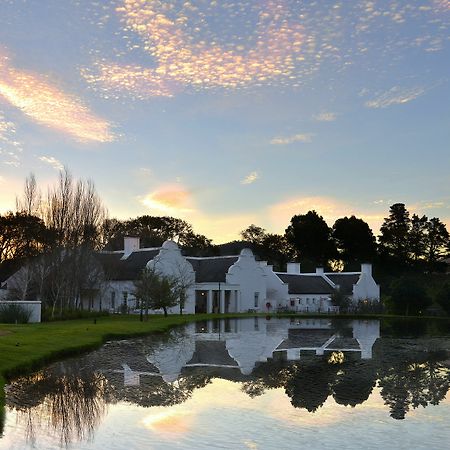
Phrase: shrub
[443,297]
[14,313]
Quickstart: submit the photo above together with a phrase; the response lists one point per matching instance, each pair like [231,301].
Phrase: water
[244,384]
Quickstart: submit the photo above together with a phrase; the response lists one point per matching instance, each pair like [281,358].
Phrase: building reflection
[310,359]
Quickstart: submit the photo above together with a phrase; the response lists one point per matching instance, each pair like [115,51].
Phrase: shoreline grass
[25,348]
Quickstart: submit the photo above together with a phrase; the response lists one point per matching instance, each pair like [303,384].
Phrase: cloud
[302,137]
[56,164]
[170,199]
[250,178]
[395,96]
[325,117]
[10,147]
[48,105]
[172,34]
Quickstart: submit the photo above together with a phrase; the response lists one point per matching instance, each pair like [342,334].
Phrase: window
[256,299]
[113,299]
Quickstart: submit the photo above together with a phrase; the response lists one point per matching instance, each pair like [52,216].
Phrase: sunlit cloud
[52,161]
[48,105]
[169,33]
[325,117]
[171,199]
[395,96]
[306,138]
[10,147]
[251,178]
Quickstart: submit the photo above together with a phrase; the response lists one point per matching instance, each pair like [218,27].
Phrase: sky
[228,113]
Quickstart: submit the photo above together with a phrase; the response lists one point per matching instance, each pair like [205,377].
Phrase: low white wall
[33,307]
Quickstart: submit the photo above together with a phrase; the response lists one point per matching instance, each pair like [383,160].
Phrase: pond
[244,384]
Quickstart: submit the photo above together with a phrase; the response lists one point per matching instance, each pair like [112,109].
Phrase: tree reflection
[310,384]
[2,419]
[416,383]
[354,383]
[68,405]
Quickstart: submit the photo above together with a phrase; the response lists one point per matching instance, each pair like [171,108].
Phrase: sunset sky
[227,113]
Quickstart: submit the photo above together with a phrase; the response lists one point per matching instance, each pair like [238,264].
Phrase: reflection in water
[67,404]
[312,360]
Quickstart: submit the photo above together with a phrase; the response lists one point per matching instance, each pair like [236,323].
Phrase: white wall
[33,307]
[366,288]
[277,291]
[310,302]
[248,273]
[171,263]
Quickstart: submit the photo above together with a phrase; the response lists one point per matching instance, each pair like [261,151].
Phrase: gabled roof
[212,353]
[130,268]
[305,284]
[210,270]
[344,280]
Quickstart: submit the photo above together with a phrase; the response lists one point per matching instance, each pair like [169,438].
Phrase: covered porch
[217,298]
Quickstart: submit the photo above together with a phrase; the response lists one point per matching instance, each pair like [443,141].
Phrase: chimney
[366,268]
[293,268]
[263,263]
[319,271]
[130,245]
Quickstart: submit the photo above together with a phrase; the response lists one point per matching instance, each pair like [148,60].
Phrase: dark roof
[345,281]
[212,352]
[306,284]
[311,338]
[125,269]
[211,269]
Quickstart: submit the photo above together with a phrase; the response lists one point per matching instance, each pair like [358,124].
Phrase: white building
[218,284]
[228,283]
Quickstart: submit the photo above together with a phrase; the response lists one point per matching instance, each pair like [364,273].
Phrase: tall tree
[354,240]
[417,237]
[437,240]
[310,236]
[394,238]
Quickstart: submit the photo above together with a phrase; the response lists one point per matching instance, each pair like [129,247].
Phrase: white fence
[33,307]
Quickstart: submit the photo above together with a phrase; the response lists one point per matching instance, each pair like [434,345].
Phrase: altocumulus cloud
[395,96]
[301,137]
[52,161]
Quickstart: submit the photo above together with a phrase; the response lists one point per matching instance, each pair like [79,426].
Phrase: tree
[156,291]
[394,238]
[437,240]
[153,231]
[355,241]
[22,236]
[408,296]
[273,248]
[310,236]
[417,237]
